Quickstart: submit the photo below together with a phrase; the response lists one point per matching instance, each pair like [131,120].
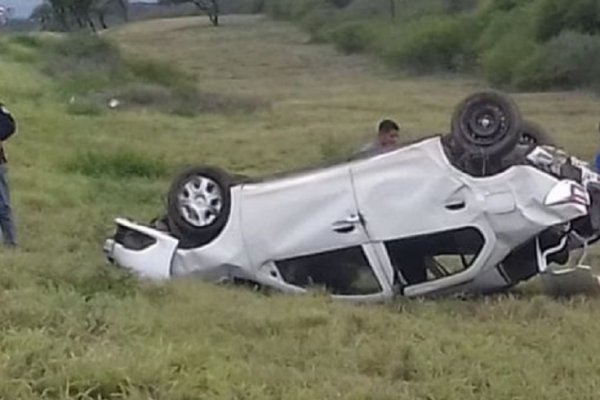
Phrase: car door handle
[347,225]
[344,228]
[459,205]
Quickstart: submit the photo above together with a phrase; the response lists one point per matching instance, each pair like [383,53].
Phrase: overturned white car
[475,211]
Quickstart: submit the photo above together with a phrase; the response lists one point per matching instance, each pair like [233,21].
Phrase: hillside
[512,44]
[75,328]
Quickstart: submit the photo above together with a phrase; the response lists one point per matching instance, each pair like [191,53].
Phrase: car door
[410,200]
[305,229]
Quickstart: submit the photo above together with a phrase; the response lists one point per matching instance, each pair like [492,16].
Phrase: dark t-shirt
[7,128]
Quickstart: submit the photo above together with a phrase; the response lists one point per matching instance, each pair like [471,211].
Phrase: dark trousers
[7,223]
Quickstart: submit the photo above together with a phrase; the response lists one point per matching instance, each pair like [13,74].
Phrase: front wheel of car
[198,204]
[487,125]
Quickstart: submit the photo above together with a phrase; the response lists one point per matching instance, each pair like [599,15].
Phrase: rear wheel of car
[486,126]
[198,204]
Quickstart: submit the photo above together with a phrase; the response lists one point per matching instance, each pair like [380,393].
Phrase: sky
[23,8]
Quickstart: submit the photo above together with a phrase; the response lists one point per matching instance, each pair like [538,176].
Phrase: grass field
[71,327]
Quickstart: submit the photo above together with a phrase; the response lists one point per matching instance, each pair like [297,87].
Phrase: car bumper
[145,251]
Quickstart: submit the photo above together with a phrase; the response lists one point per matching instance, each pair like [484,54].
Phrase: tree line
[70,15]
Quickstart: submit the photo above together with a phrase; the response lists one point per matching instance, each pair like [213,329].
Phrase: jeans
[7,224]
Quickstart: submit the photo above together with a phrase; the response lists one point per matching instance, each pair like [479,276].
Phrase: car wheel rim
[485,124]
[200,201]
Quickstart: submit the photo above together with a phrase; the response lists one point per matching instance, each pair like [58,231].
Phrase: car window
[341,272]
[428,257]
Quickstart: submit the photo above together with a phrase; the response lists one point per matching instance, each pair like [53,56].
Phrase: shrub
[368,9]
[405,9]
[459,6]
[499,63]
[339,3]
[85,82]
[318,23]
[91,71]
[292,9]
[352,37]
[555,16]
[82,54]
[507,5]
[86,46]
[572,59]
[497,25]
[433,44]
[157,72]
[27,41]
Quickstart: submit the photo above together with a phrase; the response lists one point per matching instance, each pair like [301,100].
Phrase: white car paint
[411,191]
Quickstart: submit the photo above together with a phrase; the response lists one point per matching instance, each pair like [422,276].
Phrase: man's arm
[8,125]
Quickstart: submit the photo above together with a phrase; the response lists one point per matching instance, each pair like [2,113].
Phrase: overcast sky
[23,8]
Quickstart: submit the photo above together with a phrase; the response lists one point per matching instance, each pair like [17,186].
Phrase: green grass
[73,327]
[116,165]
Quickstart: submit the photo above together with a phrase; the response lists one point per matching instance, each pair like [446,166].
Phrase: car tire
[199,204]
[486,125]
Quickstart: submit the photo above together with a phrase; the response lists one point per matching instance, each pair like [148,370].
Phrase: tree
[209,7]
[103,8]
[67,15]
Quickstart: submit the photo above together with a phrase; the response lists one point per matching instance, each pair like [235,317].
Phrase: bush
[339,3]
[160,73]
[352,37]
[507,39]
[318,23]
[555,16]
[570,60]
[19,53]
[368,9]
[292,9]
[30,41]
[499,63]
[504,40]
[405,9]
[88,47]
[82,54]
[433,44]
[91,71]
[459,6]
[507,5]
[498,25]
